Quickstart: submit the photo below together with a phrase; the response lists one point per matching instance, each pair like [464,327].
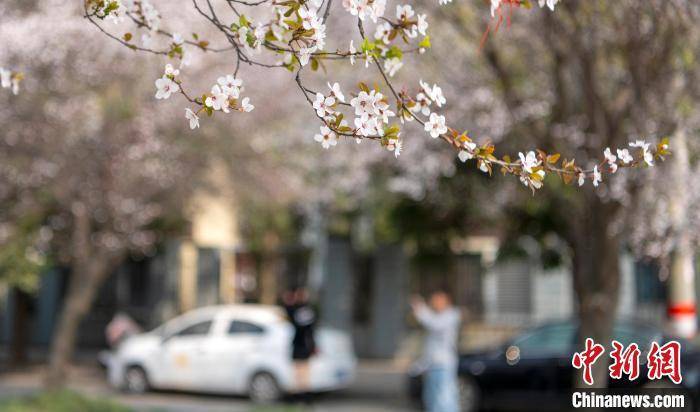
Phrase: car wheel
[135,380]
[468,394]
[264,388]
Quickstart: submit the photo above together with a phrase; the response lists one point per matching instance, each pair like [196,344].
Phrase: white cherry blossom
[464,155]
[422,25]
[5,78]
[434,93]
[549,3]
[404,12]
[218,100]
[178,39]
[624,156]
[323,104]
[192,117]
[383,112]
[230,86]
[646,154]
[611,159]
[336,92]
[365,8]
[305,55]
[395,145]
[435,125]
[309,19]
[246,106]
[382,32]
[326,137]
[531,181]
[165,87]
[529,161]
[391,66]
[422,104]
[436,96]
[352,51]
[597,177]
[170,70]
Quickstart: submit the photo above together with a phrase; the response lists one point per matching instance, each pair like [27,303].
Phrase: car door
[533,367]
[239,351]
[184,355]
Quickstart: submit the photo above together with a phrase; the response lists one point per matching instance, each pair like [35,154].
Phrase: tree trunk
[20,330]
[82,288]
[90,267]
[596,281]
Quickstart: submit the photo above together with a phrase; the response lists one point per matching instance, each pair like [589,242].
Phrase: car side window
[238,327]
[627,335]
[198,329]
[550,340]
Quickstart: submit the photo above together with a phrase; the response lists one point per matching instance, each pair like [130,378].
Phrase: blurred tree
[100,173]
[587,78]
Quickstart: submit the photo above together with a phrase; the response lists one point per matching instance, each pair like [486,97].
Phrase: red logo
[662,361]
[665,361]
[587,358]
[624,361]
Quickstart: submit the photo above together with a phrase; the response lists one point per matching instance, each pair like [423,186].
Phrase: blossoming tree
[83,159]
[308,39]
[585,79]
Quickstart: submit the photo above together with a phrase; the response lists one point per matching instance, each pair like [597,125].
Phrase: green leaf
[367,45]
[394,52]
[425,43]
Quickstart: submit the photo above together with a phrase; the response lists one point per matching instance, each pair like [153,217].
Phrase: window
[628,334]
[200,328]
[238,327]
[549,340]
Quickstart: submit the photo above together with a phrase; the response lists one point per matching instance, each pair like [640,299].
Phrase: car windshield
[627,333]
[560,338]
[547,340]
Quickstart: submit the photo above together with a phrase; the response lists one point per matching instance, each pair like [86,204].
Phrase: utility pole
[682,311]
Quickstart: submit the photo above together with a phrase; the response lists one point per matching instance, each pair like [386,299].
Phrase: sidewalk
[380,386]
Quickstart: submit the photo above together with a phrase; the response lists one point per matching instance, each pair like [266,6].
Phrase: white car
[236,349]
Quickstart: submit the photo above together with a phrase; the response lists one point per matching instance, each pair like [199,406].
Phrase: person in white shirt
[441,322]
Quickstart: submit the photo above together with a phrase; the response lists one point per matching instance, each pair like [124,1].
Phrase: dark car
[533,371]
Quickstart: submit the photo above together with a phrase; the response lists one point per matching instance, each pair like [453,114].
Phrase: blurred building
[363,292]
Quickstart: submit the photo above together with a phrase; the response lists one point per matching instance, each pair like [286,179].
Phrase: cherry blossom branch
[297,33]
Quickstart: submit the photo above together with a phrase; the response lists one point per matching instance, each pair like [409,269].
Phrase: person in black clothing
[303,318]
